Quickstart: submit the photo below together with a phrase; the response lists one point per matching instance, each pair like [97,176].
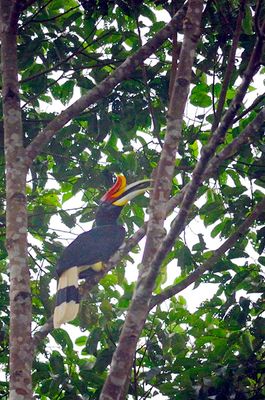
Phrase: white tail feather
[66,311]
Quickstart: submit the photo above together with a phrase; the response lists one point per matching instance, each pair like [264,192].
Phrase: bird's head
[117,196]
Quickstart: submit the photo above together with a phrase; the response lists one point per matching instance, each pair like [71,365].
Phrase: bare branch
[256,17]
[209,264]
[166,166]
[42,332]
[246,136]
[103,88]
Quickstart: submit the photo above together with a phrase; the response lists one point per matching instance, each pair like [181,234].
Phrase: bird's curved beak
[120,193]
[131,191]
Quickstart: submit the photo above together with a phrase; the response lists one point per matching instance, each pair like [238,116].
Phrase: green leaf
[66,91]
[93,340]
[184,257]
[103,359]
[261,260]
[81,341]
[73,17]
[247,21]
[67,219]
[62,338]
[57,363]
[199,96]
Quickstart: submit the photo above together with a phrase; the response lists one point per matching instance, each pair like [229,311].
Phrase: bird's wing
[90,247]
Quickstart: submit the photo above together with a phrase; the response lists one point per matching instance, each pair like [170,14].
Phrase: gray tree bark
[16,213]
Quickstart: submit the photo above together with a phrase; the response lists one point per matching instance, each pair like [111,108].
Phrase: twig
[36,13]
[55,17]
[256,17]
[258,100]
[37,95]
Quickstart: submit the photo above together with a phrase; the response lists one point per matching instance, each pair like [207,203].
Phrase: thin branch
[246,136]
[37,95]
[174,62]
[230,66]
[37,12]
[209,264]
[257,15]
[55,17]
[135,380]
[213,85]
[103,88]
[255,103]
[156,128]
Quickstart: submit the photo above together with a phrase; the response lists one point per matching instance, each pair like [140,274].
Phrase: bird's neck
[106,221]
[107,214]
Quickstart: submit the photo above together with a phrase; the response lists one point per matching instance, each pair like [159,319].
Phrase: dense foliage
[215,352]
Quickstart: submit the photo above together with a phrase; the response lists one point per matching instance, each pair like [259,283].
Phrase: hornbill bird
[90,249]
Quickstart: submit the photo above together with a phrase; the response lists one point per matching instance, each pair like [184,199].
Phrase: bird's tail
[67,297]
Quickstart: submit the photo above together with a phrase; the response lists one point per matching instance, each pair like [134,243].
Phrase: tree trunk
[16,215]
